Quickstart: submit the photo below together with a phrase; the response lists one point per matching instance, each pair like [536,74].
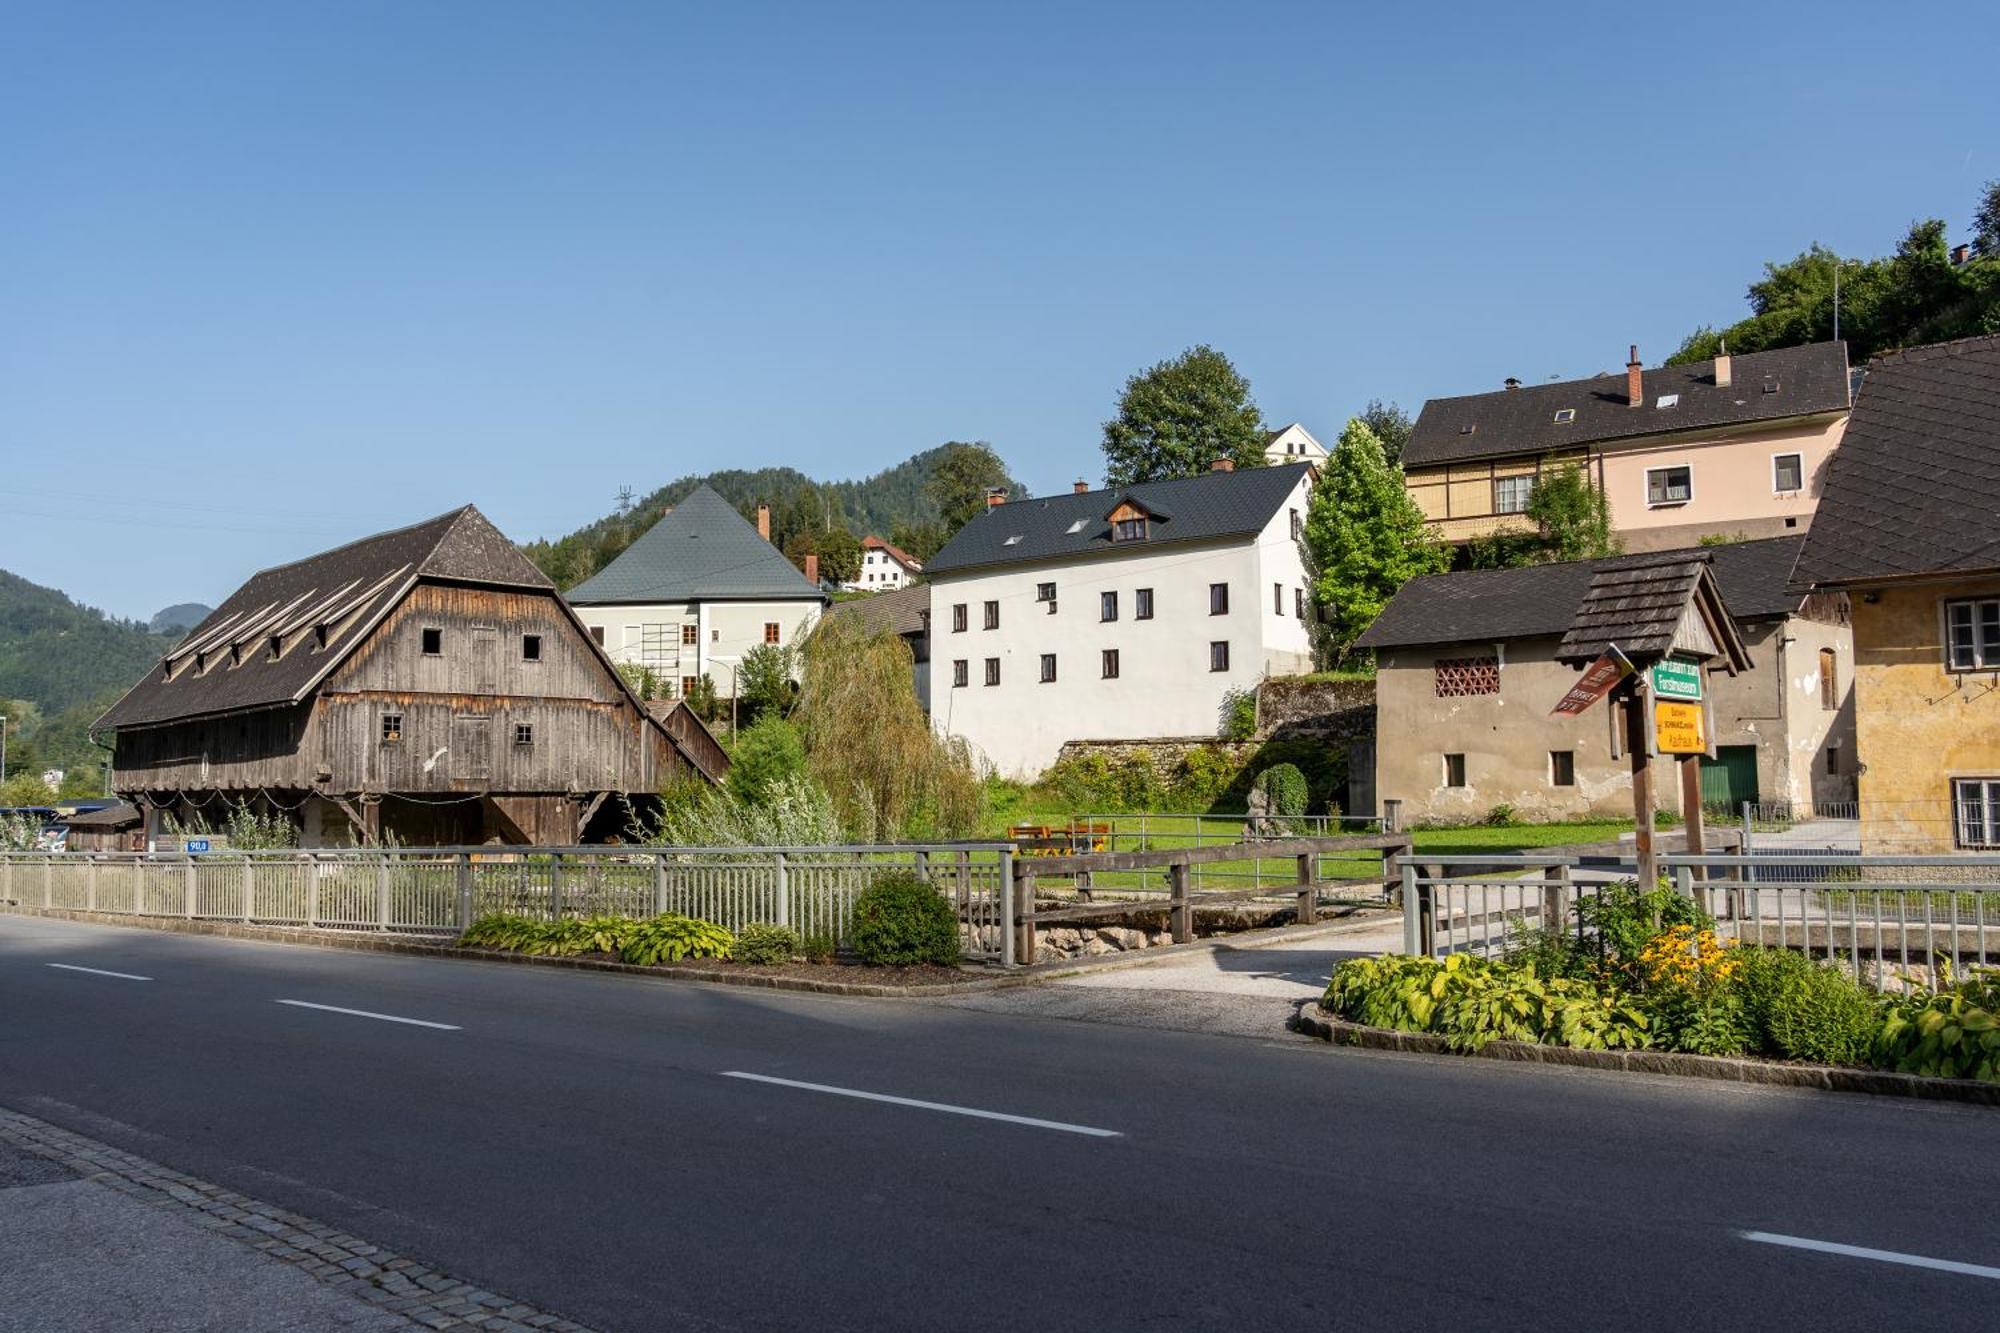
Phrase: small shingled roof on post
[1651,606]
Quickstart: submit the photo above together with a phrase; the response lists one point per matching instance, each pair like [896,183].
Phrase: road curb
[1314,1022]
[388,1281]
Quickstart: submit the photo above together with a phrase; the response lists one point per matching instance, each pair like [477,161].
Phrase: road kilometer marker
[1863,1252]
[927,1106]
[364,1013]
[99,972]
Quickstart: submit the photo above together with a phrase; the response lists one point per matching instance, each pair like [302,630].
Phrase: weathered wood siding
[242,753]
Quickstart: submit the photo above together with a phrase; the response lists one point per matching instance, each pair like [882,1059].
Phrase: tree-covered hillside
[904,503]
[61,665]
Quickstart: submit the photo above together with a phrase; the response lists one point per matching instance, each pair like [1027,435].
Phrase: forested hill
[55,653]
[896,500]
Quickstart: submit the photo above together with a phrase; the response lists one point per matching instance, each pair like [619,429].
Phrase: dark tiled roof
[1914,487]
[1491,605]
[1205,507]
[347,589]
[117,815]
[701,551]
[1809,379]
[902,611]
[1636,602]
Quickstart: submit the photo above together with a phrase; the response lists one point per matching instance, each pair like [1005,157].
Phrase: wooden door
[485,651]
[472,747]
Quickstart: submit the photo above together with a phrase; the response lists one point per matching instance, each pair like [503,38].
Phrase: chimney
[1513,383]
[764,521]
[1635,380]
[1722,367]
[812,569]
[996,496]
[1082,487]
[1223,465]
[1961,254]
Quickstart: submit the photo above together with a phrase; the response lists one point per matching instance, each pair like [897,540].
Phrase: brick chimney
[996,496]
[1223,465]
[1635,380]
[1723,369]
[764,521]
[1081,487]
[812,569]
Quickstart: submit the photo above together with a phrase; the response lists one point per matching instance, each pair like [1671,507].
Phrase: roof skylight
[1014,540]
[1667,400]
[1078,526]
[1565,415]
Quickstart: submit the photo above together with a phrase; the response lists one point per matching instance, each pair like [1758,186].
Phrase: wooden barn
[425,686]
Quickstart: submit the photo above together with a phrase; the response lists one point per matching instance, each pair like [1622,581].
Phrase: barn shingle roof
[223,665]
[1540,601]
[1803,381]
[702,551]
[1205,507]
[1915,484]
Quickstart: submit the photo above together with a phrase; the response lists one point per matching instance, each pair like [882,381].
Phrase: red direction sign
[1596,682]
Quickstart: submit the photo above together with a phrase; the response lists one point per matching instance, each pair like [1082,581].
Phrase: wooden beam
[589,811]
[354,818]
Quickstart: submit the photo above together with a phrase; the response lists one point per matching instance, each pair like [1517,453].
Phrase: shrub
[1286,788]
[1202,776]
[1804,1010]
[1238,719]
[794,812]
[670,937]
[1623,919]
[901,919]
[767,680]
[768,752]
[1690,978]
[1950,1033]
[762,942]
[1502,815]
[1470,1002]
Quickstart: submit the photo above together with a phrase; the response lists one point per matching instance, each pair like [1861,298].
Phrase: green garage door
[1730,778]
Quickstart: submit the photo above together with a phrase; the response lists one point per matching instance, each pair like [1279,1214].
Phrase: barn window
[1467,675]
[392,728]
[433,642]
[531,647]
[276,646]
[524,733]
[319,637]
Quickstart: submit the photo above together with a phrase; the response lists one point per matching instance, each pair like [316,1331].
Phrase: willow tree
[868,742]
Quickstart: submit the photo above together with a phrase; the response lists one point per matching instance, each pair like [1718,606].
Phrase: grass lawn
[1517,838]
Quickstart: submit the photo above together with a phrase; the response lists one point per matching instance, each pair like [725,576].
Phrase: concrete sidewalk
[99,1241]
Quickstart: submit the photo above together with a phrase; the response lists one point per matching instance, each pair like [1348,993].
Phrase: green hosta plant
[669,937]
[1470,1001]
[1950,1033]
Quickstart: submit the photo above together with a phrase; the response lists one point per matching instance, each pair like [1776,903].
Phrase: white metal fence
[439,891]
[1879,916]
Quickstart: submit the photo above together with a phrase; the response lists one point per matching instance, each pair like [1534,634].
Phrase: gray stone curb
[367,1272]
[1314,1022]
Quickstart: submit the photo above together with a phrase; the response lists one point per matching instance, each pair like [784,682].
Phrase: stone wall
[1339,710]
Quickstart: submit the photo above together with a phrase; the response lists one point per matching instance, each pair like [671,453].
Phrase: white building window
[1788,473]
[1972,635]
[1976,804]
[1510,494]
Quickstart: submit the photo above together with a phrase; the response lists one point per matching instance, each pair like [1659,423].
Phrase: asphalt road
[582,1142]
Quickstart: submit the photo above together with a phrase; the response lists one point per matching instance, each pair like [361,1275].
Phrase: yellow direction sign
[1678,728]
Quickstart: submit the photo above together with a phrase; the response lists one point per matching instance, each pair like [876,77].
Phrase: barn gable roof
[318,610]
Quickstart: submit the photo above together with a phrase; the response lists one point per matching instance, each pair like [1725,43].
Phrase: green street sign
[1677,680]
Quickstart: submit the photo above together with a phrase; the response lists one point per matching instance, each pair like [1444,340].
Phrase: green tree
[767,681]
[1365,537]
[1181,416]
[921,540]
[839,552]
[1986,222]
[959,478]
[766,753]
[1571,517]
[1392,426]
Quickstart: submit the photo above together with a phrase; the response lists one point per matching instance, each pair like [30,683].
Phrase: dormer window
[1128,530]
[277,648]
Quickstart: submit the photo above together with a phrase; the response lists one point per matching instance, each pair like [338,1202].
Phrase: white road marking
[1863,1252]
[364,1013]
[927,1106]
[99,972]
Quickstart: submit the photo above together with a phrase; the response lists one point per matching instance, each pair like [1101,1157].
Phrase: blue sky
[278,275]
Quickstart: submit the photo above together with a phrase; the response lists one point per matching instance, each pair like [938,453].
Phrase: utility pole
[3,747]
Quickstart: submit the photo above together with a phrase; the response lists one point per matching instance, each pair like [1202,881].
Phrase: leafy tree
[921,540]
[645,682]
[767,681]
[1986,222]
[1571,516]
[1392,426]
[959,479]
[766,753]
[839,552]
[703,698]
[1917,295]
[25,789]
[1365,537]
[1179,417]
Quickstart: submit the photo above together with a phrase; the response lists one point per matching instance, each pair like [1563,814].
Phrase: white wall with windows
[1124,644]
[681,642]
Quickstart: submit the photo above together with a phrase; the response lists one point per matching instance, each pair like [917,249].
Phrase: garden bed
[834,972]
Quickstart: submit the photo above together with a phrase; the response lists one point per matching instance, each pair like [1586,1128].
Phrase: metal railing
[1878,916]
[439,891]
